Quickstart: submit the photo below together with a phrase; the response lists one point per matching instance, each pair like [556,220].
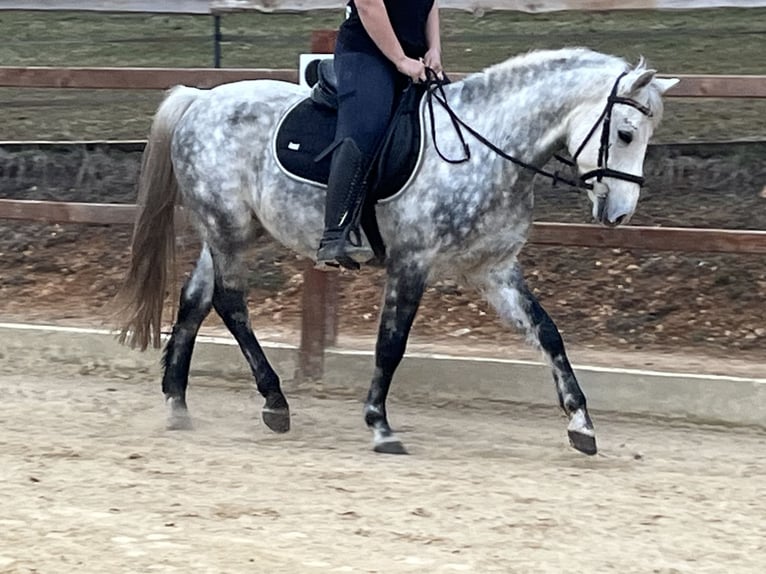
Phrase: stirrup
[343,248]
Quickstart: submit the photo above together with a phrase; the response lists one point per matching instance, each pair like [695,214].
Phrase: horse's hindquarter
[223,158]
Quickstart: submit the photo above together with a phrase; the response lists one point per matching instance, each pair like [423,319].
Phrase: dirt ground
[91,482]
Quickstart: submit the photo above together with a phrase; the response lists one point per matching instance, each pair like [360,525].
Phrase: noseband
[434,84]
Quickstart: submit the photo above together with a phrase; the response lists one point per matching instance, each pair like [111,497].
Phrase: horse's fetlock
[276,401]
[374,415]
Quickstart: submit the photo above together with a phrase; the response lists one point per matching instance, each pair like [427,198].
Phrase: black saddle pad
[305,131]
[308,128]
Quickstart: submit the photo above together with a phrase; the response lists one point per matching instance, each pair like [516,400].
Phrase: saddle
[307,130]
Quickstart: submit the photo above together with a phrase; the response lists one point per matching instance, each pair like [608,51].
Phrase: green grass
[701,41]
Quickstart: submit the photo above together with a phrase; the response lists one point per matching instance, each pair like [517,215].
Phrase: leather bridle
[605,119]
[435,91]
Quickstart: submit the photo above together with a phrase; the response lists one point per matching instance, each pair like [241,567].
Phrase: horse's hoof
[581,434]
[391,446]
[278,420]
[178,415]
[179,420]
[585,443]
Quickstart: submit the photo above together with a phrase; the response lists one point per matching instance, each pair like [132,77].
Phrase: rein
[435,91]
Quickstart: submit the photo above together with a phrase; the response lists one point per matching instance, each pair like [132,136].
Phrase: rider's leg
[366,91]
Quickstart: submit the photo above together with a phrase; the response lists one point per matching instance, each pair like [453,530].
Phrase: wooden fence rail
[134,78]
[560,234]
[67,212]
[690,86]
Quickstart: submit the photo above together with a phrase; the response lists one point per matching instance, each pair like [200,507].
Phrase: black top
[408,19]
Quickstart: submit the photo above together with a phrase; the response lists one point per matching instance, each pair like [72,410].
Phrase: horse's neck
[524,113]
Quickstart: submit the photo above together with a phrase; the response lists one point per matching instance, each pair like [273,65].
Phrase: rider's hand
[433,60]
[414,69]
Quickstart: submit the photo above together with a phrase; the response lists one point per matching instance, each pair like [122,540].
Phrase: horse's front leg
[508,293]
[404,289]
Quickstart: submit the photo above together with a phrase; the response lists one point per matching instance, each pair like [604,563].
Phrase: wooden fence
[319,317]
[691,85]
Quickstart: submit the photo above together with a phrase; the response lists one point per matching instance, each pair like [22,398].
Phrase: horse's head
[608,140]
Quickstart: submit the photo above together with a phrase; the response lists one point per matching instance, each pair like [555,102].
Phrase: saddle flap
[399,152]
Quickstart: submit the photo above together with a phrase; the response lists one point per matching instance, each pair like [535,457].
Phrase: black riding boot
[341,243]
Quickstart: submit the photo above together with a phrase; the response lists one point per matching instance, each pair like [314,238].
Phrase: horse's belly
[292,212]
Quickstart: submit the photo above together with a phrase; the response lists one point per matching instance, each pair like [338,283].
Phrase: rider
[380,44]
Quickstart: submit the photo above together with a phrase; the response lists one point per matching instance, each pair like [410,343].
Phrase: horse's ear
[639,79]
[664,84]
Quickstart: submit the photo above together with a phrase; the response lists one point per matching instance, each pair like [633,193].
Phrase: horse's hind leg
[404,288]
[196,301]
[508,293]
[230,302]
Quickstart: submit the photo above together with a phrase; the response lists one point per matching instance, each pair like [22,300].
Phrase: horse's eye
[625,136]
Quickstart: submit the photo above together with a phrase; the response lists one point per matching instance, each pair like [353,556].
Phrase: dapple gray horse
[212,150]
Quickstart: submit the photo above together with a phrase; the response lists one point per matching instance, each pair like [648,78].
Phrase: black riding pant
[367,90]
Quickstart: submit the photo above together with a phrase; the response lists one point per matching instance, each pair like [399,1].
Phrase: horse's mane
[570,58]
[564,57]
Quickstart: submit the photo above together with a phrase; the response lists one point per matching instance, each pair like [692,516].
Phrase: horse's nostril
[620,220]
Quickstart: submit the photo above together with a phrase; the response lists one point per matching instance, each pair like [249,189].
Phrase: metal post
[319,318]
[217,38]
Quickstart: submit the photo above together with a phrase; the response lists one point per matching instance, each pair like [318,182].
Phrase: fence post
[217,38]
[319,317]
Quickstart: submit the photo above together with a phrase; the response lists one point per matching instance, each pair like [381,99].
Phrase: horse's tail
[142,294]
